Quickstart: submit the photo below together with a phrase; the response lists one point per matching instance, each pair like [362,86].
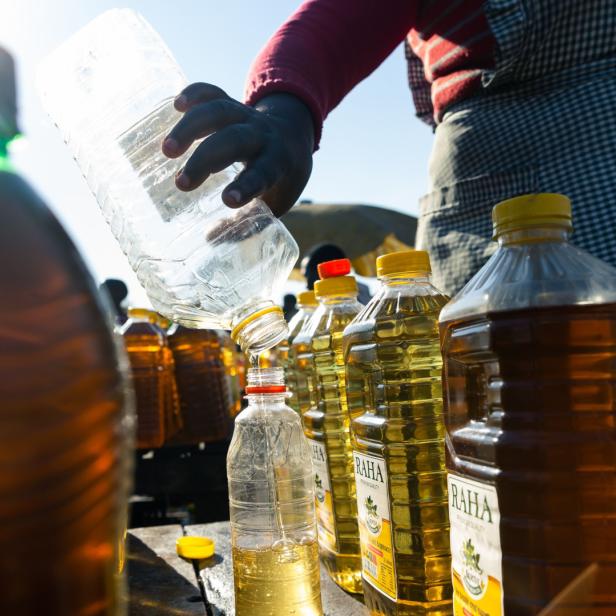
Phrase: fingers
[253,181]
[200,121]
[240,142]
[197,93]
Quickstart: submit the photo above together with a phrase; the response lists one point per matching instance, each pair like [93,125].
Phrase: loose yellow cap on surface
[196,548]
[534,210]
[403,262]
[307,298]
[341,285]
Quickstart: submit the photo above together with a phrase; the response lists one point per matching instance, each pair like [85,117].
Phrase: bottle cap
[195,548]
[307,298]
[534,210]
[142,313]
[403,262]
[331,269]
[330,287]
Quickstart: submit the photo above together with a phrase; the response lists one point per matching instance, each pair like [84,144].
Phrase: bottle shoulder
[535,275]
[396,307]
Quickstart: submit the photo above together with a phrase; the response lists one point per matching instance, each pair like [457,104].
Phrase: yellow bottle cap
[534,210]
[195,548]
[340,285]
[307,298]
[403,262]
[141,313]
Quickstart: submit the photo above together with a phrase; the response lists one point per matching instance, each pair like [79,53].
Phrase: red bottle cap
[333,269]
[266,389]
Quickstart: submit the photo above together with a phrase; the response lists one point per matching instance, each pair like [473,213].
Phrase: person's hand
[274,140]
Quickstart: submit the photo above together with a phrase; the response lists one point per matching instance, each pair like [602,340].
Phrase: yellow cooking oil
[307,303]
[277,580]
[326,425]
[393,365]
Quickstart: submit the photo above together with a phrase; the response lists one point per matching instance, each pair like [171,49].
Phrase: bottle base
[380,605]
[344,570]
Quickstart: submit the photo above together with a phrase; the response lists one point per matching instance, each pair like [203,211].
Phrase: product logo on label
[372,517]
[318,454]
[471,503]
[475,579]
[369,469]
[318,488]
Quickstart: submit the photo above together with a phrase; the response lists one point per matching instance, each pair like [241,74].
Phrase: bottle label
[326,524]
[476,556]
[374,517]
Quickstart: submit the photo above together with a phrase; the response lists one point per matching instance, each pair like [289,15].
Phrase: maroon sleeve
[326,48]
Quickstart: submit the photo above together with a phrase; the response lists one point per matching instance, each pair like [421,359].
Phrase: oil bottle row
[464,451]
[187,382]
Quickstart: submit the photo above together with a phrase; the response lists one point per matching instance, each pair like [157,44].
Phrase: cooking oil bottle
[529,349]
[326,424]
[271,498]
[393,365]
[204,389]
[152,370]
[66,412]
[307,303]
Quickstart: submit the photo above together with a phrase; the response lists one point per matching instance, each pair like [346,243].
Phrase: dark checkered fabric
[545,121]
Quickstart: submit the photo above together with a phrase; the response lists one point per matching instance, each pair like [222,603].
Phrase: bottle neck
[406,278]
[532,235]
[267,399]
[338,299]
[5,162]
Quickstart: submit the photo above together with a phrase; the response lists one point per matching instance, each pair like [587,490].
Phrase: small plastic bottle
[296,380]
[327,424]
[271,498]
[110,89]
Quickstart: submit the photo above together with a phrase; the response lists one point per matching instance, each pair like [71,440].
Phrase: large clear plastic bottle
[295,379]
[66,414]
[110,90]
[271,497]
[529,350]
[394,393]
[327,424]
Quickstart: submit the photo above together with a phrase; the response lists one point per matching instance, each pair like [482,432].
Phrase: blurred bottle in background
[152,369]
[296,379]
[65,417]
[203,385]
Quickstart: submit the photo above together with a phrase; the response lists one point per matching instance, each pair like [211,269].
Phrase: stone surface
[160,582]
[217,576]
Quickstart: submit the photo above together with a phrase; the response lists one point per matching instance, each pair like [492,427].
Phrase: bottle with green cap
[394,392]
[66,412]
[529,349]
[326,422]
[296,379]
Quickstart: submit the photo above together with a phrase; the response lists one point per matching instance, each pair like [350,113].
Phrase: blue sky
[373,150]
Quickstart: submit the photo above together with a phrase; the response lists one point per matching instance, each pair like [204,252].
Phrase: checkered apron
[545,121]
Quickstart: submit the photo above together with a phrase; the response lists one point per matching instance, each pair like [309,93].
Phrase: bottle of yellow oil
[307,303]
[393,365]
[326,424]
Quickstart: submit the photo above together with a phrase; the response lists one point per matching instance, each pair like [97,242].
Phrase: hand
[274,139]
